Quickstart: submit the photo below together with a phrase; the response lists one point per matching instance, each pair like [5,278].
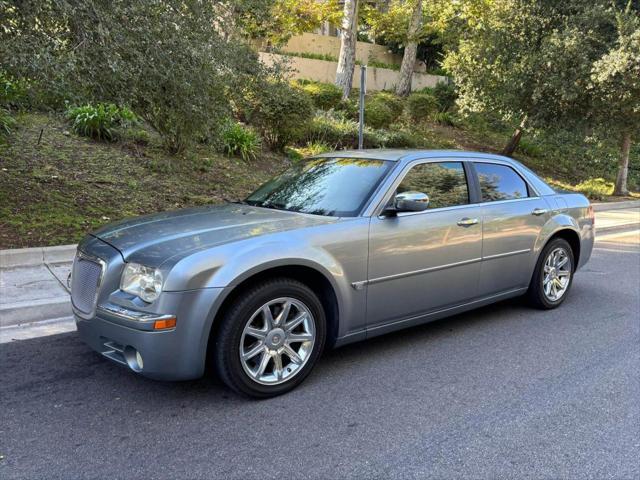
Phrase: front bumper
[174,354]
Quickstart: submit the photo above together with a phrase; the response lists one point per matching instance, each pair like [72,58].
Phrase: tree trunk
[348,38]
[513,142]
[623,166]
[410,51]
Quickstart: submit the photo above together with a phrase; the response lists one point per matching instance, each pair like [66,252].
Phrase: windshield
[337,187]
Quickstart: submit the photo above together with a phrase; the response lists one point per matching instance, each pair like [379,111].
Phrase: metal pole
[363,90]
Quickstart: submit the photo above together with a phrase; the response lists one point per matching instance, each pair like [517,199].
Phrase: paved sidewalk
[33,281]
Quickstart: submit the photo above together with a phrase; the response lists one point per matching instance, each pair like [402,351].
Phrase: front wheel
[553,275]
[270,338]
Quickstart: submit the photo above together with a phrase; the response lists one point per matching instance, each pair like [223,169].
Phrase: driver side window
[444,182]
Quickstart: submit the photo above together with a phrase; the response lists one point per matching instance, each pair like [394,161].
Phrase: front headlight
[141,281]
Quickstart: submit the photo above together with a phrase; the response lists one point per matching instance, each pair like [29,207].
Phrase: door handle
[467,222]
[539,211]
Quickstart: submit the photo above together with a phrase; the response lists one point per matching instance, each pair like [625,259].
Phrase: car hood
[155,238]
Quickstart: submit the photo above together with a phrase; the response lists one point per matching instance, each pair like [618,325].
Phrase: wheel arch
[572,238]
[314,278]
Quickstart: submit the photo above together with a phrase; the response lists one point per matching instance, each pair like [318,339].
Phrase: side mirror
[410,202]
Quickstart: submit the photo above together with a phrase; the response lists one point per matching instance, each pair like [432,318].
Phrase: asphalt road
[504,391]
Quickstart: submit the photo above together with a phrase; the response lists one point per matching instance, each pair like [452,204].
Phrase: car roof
[405,155]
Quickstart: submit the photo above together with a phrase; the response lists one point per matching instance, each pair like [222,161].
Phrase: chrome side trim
[413,272]
[506,254]
[103,266]
[360,285]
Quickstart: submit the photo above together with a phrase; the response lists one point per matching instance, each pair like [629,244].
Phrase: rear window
[500,182]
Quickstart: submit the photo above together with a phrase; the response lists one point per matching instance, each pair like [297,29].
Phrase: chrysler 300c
[341,247]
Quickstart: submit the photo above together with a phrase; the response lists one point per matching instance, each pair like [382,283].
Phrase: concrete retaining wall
[324,71]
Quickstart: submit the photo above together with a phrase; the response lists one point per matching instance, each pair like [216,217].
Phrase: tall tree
[616,88]
[529,62]
[411,49]
[348,39]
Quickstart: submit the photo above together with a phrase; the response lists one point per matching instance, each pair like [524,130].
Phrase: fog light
[133,358]
[139,360]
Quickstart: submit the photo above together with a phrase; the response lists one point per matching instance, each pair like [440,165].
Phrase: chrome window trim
[103,266]
[377,212]
[530,187]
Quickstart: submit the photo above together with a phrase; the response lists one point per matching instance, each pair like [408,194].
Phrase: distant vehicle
[341,247]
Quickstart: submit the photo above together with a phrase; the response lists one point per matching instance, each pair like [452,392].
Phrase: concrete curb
[25,257]
[607,206]
[34,311]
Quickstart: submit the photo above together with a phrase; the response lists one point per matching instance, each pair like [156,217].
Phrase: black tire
[227,342]
[536,294]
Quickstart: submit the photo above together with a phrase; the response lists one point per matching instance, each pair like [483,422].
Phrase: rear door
[423,261]
[512,218]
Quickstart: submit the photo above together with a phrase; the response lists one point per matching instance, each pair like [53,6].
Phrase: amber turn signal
[165,323]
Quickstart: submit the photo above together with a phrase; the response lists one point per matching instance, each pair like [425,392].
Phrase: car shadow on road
[45,365]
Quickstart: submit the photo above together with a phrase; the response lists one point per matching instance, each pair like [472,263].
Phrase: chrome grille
[85,280]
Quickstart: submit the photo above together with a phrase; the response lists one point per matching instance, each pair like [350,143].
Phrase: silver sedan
[341,247]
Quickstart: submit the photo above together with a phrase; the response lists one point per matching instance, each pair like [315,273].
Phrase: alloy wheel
[277,341]
[556,274]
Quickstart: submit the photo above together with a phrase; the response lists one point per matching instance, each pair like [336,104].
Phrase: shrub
[100,121]
[595,188]
[240,140]
[324,95]
[446,95]
[339,133]
[529,148]
[401,139]
[172,62]
[280,112]
[377,114]
[446,118]
[391,100]
[6,122]
[13,93]
[421,105]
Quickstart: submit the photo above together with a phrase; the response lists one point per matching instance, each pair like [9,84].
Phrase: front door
[425,261]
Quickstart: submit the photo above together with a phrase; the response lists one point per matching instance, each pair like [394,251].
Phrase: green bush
[280,112]
[324,95]
[377,114]
[340,133]
[101,121]
[172,62]
[13,93]
[240,140]
[529,148]
[446,118]
[391,100]
[421,106]
[595,188]
[446,95]
[6,122]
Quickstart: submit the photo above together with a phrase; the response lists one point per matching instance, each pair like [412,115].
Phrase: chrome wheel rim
[277,341]
[557,274]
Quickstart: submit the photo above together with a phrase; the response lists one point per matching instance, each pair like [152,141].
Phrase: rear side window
[499,182]
[444,182]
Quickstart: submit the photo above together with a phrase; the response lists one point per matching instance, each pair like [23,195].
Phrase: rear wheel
[553,275]
[270,338]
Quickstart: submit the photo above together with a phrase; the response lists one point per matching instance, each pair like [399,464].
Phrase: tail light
[592,215]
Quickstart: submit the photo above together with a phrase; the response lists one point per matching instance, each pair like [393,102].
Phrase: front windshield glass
[337,187]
